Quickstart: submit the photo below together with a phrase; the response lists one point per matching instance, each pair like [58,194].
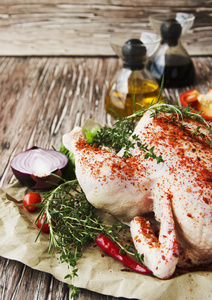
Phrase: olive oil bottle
[129,93]
[132,86]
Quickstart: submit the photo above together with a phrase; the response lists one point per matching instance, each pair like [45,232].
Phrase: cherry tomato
[31,199]
[41,221]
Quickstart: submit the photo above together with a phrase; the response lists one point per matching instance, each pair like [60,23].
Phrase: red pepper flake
[206,200]
[189,215]
[175,254]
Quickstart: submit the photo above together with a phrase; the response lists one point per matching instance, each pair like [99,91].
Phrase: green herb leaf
[69,172]
[90,134]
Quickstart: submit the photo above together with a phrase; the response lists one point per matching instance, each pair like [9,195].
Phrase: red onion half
[34,167]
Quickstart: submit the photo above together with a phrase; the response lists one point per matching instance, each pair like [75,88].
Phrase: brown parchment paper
[98,273]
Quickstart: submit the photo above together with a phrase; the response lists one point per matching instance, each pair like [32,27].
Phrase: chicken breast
[178,190]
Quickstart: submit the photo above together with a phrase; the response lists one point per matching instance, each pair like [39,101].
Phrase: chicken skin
[178,189]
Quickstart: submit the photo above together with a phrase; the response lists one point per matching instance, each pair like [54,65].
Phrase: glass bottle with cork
[133,85]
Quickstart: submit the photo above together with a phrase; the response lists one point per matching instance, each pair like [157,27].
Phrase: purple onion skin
[39,183]
[25,179]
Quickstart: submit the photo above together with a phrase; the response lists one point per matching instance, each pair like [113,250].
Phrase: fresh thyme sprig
[74,224]
[117,137]
[149,152]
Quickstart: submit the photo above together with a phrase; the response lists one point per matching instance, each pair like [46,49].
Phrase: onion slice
[34,167]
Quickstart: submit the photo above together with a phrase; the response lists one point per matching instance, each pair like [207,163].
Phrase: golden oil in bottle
[132,86]
[129,91]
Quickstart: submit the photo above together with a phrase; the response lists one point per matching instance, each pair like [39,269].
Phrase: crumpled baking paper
[96,272]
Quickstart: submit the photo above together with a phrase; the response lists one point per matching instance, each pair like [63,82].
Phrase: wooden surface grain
[40,100]
[70,27]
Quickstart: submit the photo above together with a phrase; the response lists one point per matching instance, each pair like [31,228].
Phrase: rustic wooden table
[41,98]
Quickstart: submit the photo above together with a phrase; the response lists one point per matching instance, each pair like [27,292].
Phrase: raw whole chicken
[178,190]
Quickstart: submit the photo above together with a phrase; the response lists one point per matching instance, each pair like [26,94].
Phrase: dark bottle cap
[134,54]
[170,32]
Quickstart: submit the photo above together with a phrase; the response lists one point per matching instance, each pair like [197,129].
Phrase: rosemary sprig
[117,137]
[178,115]
[179,111]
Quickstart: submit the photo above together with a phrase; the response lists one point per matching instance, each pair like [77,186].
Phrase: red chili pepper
[190,98]
[113,250]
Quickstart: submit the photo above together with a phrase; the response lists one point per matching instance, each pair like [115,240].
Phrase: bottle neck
[170,43]
[133,66]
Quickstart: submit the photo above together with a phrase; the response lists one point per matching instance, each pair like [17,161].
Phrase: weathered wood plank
[83,28]
[18,281]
